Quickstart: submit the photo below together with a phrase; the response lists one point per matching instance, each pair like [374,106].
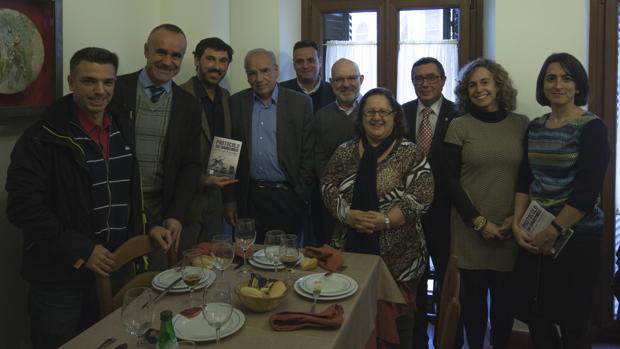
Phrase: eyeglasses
[340,80]
[431,79]
[381,112]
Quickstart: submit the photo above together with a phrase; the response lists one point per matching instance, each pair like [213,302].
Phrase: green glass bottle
[166,338]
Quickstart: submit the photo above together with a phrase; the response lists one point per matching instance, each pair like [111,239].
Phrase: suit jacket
[436,222]
[295,138]
[322,97]
[209,197]
[181,163]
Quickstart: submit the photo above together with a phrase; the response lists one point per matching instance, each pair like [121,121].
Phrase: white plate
[260,258]
[162,280]
[198,329]
[301,292]
[332,285]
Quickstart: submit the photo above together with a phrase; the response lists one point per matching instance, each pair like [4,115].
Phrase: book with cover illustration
[536,219]
[224,157]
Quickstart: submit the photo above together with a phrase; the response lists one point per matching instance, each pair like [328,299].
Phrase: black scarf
[365,196]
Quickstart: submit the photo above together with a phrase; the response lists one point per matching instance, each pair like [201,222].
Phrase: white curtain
[445,51]
[362,53]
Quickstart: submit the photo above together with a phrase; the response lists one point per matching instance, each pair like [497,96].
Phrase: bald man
[167,124]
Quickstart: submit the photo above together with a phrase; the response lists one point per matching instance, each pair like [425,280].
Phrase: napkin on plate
[330,318]
[191,312]
[329,258]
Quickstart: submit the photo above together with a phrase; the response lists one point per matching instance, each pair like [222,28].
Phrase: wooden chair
[449,306]
[133,248]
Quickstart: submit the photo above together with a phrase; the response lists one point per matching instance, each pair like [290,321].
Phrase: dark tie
[425,132]
[156,93]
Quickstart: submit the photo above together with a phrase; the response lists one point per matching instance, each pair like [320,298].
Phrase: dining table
[360,313]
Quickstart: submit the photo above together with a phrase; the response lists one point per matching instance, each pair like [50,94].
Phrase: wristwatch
[479,223]
[387,222]
[557,227]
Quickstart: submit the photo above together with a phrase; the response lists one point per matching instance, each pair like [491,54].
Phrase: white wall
[527,31]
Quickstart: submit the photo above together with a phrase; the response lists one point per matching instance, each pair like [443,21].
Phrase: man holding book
[212,57]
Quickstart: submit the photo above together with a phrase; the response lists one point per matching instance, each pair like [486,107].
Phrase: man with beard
[307,63]
[428,118]
[167,127]
[212,58]
[334,126]
[275,165]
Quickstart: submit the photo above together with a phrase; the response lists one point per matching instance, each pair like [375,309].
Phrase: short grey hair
[257,51]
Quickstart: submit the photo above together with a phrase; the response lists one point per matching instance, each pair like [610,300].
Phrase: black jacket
[50,199]
[182,159]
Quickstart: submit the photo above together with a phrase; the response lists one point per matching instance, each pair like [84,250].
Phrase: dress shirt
[309,92]
[436,107]
[145,82]
[264,164]
[213,108]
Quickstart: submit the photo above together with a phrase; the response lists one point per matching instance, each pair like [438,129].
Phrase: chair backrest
[450,289]
[135,247]
[451,315]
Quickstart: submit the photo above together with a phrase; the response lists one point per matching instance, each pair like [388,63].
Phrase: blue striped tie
[156,93]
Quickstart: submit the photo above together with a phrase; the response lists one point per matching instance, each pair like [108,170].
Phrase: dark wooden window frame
[470,44]
[603,60]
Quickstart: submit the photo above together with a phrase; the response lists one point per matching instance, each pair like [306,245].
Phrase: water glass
[245,237]
[289,252]
[217,307]
[137,312]
[223,253]
[192,274]
[273,240]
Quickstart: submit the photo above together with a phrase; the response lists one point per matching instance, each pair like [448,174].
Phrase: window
[385,37]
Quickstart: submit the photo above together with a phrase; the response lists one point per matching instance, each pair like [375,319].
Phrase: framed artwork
[30,57]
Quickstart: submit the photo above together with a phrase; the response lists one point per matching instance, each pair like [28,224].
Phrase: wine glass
[193,270]
[273,240]
[289,253]
[245,237]
[137,312]
[223,253]
[217,307]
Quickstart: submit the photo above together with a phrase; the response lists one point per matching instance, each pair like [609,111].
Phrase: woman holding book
[566,156]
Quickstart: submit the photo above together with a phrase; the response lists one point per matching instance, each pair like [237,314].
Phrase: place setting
[191,274]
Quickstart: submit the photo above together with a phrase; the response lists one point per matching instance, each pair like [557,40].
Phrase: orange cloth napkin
[191,312]
[331,318]
[329,258]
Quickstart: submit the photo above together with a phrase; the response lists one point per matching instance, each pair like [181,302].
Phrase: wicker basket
[259,304]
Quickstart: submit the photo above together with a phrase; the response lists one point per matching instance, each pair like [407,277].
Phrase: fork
[316,292]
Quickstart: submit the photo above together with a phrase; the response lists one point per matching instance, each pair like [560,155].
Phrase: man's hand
[162,236]
[361,221]
[175,228]
[101,261]
[217,181]
[230,214]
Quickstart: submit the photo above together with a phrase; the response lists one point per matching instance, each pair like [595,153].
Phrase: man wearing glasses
[334,126]
[428,118]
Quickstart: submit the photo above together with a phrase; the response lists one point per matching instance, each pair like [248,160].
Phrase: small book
[224,157]
[536,219]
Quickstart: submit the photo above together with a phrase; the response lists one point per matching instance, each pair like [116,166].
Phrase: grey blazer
[295,139]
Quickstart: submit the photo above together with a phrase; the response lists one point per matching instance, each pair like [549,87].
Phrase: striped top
[110,185]
[557,158]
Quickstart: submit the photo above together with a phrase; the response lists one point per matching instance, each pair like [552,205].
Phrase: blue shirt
[145,82]
[264,164]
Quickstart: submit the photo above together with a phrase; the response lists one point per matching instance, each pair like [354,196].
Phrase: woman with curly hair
[484,151]
[567,152]
[378,186]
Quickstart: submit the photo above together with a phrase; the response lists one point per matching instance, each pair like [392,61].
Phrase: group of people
[128,155]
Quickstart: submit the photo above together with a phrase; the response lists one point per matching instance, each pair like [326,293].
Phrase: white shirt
[433,117]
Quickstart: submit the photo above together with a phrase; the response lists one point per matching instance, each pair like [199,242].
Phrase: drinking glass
[223,253]
[273,240]
[217,306]
[245,236]
[289,253]
[192,274]
[137,312]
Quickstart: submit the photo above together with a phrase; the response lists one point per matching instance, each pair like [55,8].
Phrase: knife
[166,290]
